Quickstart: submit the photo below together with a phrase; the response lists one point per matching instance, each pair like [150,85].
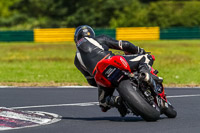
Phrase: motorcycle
[137,95]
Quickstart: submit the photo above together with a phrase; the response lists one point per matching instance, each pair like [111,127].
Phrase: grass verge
[51,64]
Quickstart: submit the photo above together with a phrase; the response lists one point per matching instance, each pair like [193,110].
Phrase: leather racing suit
[91,50]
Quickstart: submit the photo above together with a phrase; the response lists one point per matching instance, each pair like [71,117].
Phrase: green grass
[178,62]
[33,62]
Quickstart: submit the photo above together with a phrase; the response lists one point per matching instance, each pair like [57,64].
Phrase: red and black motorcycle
[137,95]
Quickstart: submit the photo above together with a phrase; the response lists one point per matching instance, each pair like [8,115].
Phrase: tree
[132,15]
[30,14]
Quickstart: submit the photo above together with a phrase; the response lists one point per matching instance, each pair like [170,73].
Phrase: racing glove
[141,51]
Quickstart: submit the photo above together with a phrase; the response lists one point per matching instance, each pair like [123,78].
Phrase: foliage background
[29,14]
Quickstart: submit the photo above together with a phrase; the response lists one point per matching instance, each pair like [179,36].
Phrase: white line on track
[59,105]
[90,103]
[195,95]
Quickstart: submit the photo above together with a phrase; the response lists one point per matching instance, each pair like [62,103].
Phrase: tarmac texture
[79,111]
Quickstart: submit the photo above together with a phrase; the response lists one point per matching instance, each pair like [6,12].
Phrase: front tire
[170,112]
[137,103]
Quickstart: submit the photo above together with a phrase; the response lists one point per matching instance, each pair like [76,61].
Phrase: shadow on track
[115,119]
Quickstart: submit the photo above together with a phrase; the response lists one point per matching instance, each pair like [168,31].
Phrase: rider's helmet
[83,31]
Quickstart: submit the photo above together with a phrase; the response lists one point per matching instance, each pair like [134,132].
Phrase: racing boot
[116,101]
[104,107]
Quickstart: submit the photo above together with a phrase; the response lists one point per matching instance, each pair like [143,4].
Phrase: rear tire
[130,94]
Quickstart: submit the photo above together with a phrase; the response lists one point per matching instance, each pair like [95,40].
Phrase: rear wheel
[130,94]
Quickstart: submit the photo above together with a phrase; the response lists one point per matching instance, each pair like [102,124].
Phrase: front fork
[162,101]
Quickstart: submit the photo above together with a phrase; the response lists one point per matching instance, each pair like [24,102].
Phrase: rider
[91,49]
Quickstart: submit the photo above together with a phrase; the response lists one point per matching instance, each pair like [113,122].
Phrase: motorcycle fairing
[108,71]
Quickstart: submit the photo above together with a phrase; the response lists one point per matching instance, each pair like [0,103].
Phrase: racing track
[80,113]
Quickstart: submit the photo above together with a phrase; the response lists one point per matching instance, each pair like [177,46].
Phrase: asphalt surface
[89,118]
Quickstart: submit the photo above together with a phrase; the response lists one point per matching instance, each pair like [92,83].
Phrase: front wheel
[130,94]
[170,112]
